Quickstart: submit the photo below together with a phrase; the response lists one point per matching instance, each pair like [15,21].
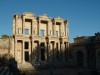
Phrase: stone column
[54,28]
[58,50]
[55,51]
[39,50]
[63,55]
[51,54]
[60,31]
[67,50]
[67,29]
[48,53]
[23,53]
[14,25]
[39,27]
[48,28]
[15,50]
[30,50]
[45,50]
[16,22]
[32,28]
[23,24]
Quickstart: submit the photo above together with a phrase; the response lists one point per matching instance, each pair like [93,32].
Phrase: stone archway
[80,58]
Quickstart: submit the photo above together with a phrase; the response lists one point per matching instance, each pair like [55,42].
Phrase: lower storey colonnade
[28,51]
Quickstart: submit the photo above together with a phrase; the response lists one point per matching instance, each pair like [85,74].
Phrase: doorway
[80,58]
[43,51]
[27,56]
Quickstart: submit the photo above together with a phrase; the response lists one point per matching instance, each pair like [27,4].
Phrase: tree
[5,36]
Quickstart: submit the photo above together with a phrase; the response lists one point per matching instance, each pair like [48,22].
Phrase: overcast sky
[83,15]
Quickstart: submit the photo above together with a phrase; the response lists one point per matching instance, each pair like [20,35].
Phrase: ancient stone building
[5,45]
[85,52]
[39,38]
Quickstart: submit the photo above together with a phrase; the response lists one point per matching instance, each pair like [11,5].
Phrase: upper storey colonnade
[29,24]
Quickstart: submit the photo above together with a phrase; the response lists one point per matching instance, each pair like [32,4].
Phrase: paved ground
[6,71]
[63,71]
[67,71]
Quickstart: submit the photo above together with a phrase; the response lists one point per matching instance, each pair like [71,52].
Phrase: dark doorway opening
[43,51]
[27,56]
[80,58]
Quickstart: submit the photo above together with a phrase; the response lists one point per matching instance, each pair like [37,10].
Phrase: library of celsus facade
[39,38]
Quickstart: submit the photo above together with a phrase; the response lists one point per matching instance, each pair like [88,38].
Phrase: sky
[83,15]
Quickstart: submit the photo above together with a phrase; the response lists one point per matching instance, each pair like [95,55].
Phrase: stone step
[3,71]
[7,72]
[26,66]
[11,73]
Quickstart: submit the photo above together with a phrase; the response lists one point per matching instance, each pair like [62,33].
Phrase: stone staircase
[5,71]
[26,66]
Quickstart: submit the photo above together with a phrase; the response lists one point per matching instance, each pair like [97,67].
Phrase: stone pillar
[58,50]
[12,50]
[16,22]
[30,50]
[55,51]
[60,32]
[23,53]
[61,29]
[39,50]
[67,30]
[62,48]
[14,25]
[23,24]
[39,27]
[48,28]
[48,54]
[54,28]
[15,49]
[51,54]
[45,50]
[67,47]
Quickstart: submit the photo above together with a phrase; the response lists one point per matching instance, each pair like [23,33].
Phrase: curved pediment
[58,19]
[44,16]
